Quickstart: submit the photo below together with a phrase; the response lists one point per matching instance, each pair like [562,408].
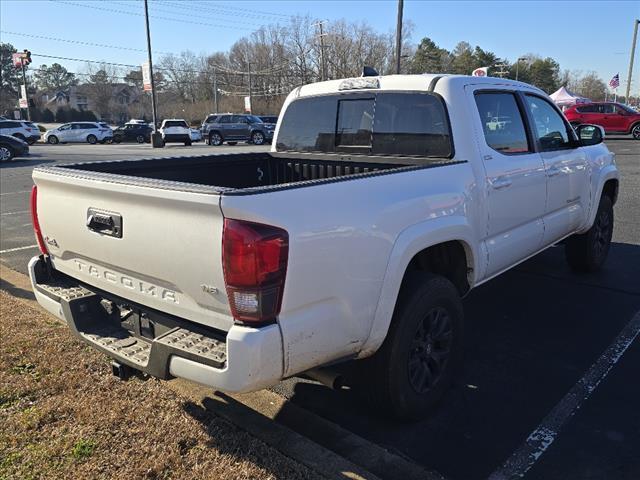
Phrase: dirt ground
[63,415]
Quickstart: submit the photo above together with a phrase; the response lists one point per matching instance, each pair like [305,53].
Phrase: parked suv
[175,130]
[11,147]
[26,131]
[613,117]
[219,128]
[90,132]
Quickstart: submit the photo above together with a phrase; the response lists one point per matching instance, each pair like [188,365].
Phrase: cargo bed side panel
[168,257]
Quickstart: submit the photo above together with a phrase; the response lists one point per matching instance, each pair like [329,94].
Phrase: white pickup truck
[383,201]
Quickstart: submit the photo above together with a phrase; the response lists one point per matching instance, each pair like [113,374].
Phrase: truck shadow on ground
[530,336]
[32,161]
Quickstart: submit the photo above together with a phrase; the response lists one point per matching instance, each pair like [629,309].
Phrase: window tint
[593,108]
[175,123]
[89,125]
[212,118]
[253,119]
[411,124]
[240,119]
[607,108]
[78,126]
[355,119]
[380,124]
[225,119]
[549,127]
[6,124]
[502,122]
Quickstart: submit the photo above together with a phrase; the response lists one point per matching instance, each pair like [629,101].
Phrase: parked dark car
[220,128]
[133,132]
[11,147]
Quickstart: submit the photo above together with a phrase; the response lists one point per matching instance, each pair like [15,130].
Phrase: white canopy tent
[564,97]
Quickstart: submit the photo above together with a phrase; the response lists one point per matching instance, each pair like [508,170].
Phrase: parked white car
[79,132]
[384,201]
[196,135]
[175,130]
[26,131]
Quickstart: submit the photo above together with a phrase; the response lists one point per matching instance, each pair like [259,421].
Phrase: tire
[92,139]
[108,141]
[6,153]
[587,252]
[232,143]
[416,364]
[140,139]
[187,143]
[257,138]
[635,131]
[53,140]
[117,139]
[215,139]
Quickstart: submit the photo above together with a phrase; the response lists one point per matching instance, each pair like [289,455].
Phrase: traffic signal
[26,57]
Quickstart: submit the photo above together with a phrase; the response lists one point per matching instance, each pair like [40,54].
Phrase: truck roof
[420,82]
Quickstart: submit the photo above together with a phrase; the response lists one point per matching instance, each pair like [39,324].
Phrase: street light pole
[633,51]
[26,92]
[215,91]
[399,35]
[518,66]
[156,138]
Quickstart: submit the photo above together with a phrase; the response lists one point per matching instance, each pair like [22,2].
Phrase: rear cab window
[372,123]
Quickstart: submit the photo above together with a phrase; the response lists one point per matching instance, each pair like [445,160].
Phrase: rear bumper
[243,359]
[169,138]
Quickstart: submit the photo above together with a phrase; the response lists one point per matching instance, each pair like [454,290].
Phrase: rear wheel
[257,138]
[215,139]
[92,139]
[140,139]
[53,140]
[416,364]
[635,131]
[187,143]
[6,153]
[588,251]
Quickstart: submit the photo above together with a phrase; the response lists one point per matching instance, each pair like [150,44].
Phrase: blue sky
[580,35]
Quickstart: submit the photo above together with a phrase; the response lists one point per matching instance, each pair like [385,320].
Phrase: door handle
[553,171]
[500,183]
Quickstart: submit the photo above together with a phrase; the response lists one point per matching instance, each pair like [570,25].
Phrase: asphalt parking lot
[534,336]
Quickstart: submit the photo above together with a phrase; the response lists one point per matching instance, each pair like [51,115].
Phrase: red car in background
[613,117]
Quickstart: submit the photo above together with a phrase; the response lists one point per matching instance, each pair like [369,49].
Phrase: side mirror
[589,134]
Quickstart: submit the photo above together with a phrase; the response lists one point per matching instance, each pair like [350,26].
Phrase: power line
[125,12]
[243,11]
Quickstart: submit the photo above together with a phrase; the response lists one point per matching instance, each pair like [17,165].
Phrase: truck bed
[236,173]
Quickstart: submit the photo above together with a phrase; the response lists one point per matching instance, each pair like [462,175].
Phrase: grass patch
[83,449]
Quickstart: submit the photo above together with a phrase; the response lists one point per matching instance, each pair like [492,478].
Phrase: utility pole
[250,88]
[633,51]
[399,35]
[26,92]
[518,66]
[215,92]
[323,65]
[502,71]
[156,137]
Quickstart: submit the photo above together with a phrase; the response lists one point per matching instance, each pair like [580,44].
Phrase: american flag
[615,81]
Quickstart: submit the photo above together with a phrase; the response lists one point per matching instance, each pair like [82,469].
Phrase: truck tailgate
[157,247]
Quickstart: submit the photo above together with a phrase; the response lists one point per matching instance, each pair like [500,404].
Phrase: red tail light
[34,220]
[254,258]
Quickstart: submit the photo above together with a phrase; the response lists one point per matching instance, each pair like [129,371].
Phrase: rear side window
[399,124]
[9,124]
[225,119]
[502,122]
[592,108]
[608,108]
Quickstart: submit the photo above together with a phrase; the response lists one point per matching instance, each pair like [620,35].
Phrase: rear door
[566,168]
[242,127]
[515,177]
[77,133]
[166,254]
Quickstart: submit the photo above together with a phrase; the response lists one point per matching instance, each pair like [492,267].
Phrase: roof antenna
[369,72]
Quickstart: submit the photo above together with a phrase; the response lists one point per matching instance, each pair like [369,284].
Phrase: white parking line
[14,213]
[17,249]
[544,435]
[13,193]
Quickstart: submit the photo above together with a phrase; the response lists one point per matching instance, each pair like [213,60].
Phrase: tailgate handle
[105,223]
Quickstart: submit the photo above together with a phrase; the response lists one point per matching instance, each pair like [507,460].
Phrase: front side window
[502,122]
[385,123]
[78,126]
[225,119]
[212,119]
[609,108]
[549,127]
[65,127]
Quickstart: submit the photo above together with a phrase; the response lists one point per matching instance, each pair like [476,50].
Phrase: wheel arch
[445,246]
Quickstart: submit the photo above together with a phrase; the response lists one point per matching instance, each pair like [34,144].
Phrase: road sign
[23,91]
[23,103]
[146,77]
[247,104]
[17,59]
